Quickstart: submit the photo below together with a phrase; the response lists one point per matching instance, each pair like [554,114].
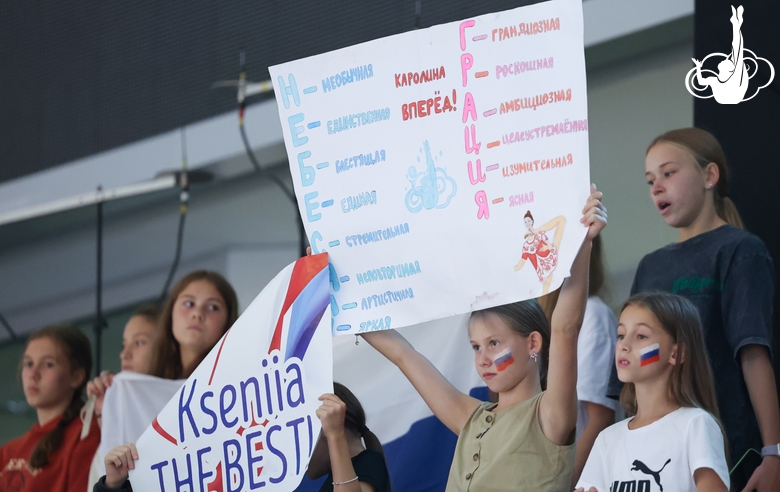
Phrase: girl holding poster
[525,442]
[51,456]
[727,273]
[199,310]
[139,342]
[661,356]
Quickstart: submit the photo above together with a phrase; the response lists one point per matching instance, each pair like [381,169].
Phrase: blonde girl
[525,441]
[139,342]
[727,273]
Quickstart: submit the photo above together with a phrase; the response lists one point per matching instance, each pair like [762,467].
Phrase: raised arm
[119,461]
[558,408]
[332,414]
[449,405]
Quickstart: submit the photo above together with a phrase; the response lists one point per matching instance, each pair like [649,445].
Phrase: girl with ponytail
[713,206]
[351,466]
[727,273]
[51,456]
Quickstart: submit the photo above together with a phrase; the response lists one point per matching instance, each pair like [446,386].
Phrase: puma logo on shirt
[639,466]
[640,485]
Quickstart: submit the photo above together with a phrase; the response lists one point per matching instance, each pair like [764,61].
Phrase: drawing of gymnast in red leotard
[539,250]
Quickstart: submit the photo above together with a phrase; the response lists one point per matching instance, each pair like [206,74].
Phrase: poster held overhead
[245,418]
[442,169]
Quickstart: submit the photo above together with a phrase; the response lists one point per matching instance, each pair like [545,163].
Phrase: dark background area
[80,77]
[750,131]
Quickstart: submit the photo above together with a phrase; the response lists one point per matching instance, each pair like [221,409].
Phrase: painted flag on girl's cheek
[649,354]
[504,359]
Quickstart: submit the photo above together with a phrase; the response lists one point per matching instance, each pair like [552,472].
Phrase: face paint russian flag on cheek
[503,360]
[649,354]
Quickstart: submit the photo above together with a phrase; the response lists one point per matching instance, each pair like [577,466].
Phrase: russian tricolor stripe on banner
[649,354]
[303,307]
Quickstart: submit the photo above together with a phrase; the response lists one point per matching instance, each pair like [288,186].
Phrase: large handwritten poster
[443,169]
[245,419]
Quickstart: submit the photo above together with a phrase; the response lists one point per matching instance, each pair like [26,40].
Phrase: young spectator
[351,466]
[674,440]
[525,442]
[201,307]
[727,273]
[139,342]
[52,455]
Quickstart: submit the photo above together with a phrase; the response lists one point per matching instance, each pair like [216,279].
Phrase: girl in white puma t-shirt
[674,442]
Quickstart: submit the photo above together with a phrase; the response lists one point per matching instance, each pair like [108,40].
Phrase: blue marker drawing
[327,203]
[334,307]
[322,165]
[343,327]
[313,124]
[343,279]
[334,280]
[351,305]
[333,244]
[431,188]
[309,90]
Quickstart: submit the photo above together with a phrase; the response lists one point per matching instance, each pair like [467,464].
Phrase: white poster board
[245,419]
[443,169]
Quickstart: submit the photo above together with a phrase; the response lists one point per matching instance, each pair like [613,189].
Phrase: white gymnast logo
[730,84]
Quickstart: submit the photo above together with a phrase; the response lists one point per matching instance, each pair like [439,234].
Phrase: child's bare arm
[558,408]
[449,405]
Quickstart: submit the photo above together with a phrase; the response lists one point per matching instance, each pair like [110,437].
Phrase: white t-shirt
[657,457]
[595,356]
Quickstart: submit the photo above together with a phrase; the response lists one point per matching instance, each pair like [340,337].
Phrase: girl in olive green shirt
[525,441]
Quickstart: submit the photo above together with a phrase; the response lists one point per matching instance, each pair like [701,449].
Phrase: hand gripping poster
[245,419]
[444,169]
